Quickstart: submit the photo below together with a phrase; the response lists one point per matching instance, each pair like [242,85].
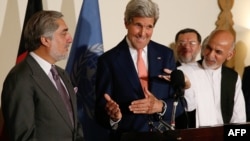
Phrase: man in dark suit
[32,106]
[246,90]
[123,103]
[187,47]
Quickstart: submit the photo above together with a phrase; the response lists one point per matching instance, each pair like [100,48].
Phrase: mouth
[210,62]
[141,39]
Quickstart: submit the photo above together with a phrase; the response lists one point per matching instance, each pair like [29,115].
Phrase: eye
[219,52]
[183,43]
[149,27]
[193,43]
[138,25]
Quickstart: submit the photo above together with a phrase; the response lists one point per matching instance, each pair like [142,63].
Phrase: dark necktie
[63,93]
[142,70]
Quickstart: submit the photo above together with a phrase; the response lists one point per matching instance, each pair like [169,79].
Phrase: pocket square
[75,89]
[159,58]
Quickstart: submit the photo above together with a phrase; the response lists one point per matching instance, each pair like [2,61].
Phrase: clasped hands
[148,105]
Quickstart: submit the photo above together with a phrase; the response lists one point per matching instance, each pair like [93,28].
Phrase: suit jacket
[246,90]
[117,76]
[32,106]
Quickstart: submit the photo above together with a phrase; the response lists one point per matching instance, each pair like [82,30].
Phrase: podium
[202,134]
[226,132]
[194,134]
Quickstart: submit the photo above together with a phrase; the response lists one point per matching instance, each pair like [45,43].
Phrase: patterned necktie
[63,93]
[142,70]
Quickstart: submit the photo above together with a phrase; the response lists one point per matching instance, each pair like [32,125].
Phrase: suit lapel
[125,62]
[155,62]
[48,88]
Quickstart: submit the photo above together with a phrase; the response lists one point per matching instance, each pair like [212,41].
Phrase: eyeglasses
[184,43]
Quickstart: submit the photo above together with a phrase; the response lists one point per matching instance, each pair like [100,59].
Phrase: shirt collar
[132,49]
[46,66]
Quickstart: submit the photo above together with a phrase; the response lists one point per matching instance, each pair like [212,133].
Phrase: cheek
[149,33]
[203,53]
[220,59]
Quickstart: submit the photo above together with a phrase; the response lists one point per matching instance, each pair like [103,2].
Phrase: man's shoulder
[229,70]
[229,74]
[192,65]
[247,69]
[158,45]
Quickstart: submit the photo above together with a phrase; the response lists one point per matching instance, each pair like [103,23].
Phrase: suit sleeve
[103,80]
[17,99]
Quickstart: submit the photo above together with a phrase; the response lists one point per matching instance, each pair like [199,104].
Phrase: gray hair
[141,8]
[42,23]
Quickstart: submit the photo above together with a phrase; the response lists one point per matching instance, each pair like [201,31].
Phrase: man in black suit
[123,103]
[246,90]
[187,47]
[32,106]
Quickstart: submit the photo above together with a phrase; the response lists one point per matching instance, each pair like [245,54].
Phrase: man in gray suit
[31,102]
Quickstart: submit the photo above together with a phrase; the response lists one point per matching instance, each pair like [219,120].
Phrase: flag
[87,46]
[33,6]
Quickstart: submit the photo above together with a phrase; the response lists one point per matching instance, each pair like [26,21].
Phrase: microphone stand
[179,93]
[165,124]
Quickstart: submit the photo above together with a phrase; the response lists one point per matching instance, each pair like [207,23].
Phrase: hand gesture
[148,105]
[112,109]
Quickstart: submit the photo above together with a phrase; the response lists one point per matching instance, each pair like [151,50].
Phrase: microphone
[178,83]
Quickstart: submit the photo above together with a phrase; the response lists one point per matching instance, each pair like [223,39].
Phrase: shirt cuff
[164,108]
[114,124]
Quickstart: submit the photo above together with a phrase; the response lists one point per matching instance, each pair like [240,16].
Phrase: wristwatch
[164,108]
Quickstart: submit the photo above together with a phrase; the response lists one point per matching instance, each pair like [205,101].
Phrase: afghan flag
[33,6]
[87,46]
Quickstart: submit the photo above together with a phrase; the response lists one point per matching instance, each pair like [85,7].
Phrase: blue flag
[87,46]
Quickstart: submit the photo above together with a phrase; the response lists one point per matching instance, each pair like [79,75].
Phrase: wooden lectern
[194,134]
[225,132]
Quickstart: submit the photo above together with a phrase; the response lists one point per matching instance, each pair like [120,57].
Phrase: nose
[209,53]
[70,39]
[142,31]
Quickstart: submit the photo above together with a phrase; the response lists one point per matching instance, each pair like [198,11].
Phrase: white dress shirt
[204,95]
[46,66]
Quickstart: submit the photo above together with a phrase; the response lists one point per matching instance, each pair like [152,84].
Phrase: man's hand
[112,109]
[148,105]
[168,78]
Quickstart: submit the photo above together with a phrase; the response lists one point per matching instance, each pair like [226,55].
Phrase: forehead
[61,23]
[220,41]
[187,36]
[144,20]
[221,38]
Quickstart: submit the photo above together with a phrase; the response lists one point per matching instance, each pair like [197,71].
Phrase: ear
[126,24]
[44,41]
[230,54]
